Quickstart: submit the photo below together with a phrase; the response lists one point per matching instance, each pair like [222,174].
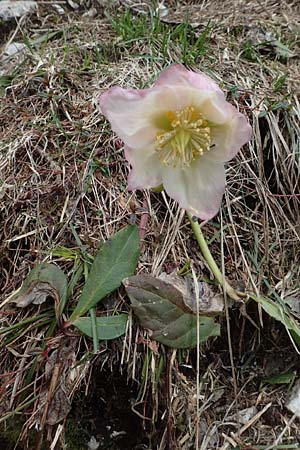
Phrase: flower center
[187,138]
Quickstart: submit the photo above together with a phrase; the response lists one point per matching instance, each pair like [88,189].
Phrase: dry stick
[13,35]
[279,438]
[196,286]
[143,223]
[211,262]
[228,290]
[247,425]
[170,362]
[17,379]
[53,385]
[228,328]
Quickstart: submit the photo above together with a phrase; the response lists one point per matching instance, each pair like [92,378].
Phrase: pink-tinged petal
[214,108]
[145,118]
[178,75]
[211,104]
[199,188]
[227,139]
[128,112]
[134,114]
[145,169]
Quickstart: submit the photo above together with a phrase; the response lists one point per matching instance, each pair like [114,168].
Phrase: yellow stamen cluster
[188,138]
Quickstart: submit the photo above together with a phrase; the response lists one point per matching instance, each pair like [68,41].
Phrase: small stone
[293,401]
[93,444]
[13,49]
[59,9]
[73,5]
[10,9]
[91,13]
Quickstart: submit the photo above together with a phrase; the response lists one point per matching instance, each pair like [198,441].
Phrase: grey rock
[13,49]
[10,9]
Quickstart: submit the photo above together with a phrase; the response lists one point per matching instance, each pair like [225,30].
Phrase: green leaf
[279,312]
[283,378]
[107,327]
[46,37]
[116,260]
[160,307]
[262,114]
[282,50]
[5,80]
[44,280]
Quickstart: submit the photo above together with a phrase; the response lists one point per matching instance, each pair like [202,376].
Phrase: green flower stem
[94,329]
[210,260]
[92,312]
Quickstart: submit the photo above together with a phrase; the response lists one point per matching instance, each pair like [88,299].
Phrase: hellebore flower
[178,133]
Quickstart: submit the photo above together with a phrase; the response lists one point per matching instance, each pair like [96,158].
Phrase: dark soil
[106,414]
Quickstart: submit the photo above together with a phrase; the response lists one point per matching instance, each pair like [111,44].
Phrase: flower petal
[175,98]
[178,75]
[128,112]
[145,170]
[133,113]
[227,139]
[199,188]
[214,108]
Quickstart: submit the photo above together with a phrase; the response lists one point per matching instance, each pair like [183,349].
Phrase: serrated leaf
[44,280]
[116,260]
[160,308]
[107,327]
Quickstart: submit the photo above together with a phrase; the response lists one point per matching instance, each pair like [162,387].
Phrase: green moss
[10,433]
[75,437]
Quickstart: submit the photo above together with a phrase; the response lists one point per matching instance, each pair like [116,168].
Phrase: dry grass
[61,165]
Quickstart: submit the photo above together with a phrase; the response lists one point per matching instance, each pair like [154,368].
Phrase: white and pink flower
[179,133]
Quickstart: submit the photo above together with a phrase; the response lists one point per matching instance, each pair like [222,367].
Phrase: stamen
[188,138]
